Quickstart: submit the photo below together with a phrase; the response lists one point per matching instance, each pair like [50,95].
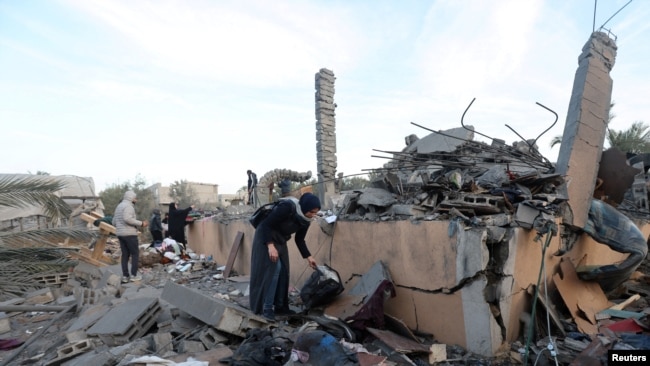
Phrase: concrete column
[325,135]
[586,126]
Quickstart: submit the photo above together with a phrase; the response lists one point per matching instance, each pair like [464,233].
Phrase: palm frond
[39,237]
[22,191]
[22,270]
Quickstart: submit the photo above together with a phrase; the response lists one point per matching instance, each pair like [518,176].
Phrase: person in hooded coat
[177,222]
[155,226]
[126,229]
[269,280]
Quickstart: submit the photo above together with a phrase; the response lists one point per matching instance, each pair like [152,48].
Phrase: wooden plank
[95,215]
[87,218]
[397,342]
[87,259]
[233,253]
[102,224]
[107,227]
[583,298]
[86,253]
[625,303]
[98,250]
[549,308]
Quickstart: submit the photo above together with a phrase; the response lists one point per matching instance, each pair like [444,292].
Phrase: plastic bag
[321,287]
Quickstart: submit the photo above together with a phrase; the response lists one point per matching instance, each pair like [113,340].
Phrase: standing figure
[155,226]
[126,229]
[165,225]
[285,187]
[177,222]
[269,281]
[252,184]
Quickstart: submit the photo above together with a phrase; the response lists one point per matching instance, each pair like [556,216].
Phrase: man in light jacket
[126,229]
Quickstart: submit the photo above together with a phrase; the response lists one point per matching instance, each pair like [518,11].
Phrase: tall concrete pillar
[586,126]
[325,135]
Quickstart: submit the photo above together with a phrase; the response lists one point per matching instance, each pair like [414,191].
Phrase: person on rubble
[126,229]
[177,222]
[156,227]
[252,184]
[165,225]
[285,187]
[269,280]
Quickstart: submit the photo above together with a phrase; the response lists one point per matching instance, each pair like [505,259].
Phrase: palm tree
[28,254]
[635,139]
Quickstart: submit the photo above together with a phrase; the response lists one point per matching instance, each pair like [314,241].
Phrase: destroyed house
[78,192]
[469,235]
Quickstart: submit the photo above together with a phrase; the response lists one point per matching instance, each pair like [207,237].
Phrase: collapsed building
[466,230]
[78,192]
[455,240]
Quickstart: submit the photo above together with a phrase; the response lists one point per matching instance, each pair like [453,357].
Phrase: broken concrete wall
[325,134]
[449,281]
[586,126]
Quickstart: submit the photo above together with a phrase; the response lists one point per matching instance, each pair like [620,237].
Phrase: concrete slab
[42,296]
[87,271]
[127,321]
[137,291]
[586,126]
[222,315]
[88,317]
[438,142]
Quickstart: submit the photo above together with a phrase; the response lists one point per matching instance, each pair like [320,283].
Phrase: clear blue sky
[204,90]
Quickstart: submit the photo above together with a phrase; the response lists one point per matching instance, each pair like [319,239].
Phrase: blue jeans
[269,295]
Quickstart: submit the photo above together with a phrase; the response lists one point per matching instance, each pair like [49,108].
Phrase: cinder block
[211,338]
[54,279]
[74,348]
[70,351]
[190,346]
[127,321]
[86,296]
[163,342]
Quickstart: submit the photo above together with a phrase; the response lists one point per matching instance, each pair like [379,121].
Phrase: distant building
[206,194]
[79,193]
[236,199]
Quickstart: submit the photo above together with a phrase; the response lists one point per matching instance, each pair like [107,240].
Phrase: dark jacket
[283,221]
[155,224]
[177,222]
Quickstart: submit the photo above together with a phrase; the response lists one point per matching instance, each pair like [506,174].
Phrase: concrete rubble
[454,222]
[175,316]
[198,315]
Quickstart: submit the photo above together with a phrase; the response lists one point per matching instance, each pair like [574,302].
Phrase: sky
[202,90]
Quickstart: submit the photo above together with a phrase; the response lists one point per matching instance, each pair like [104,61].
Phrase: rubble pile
[88,317]
[187,310]
[447,172]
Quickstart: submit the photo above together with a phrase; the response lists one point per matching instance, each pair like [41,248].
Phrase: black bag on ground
[321,287]
[261,213]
